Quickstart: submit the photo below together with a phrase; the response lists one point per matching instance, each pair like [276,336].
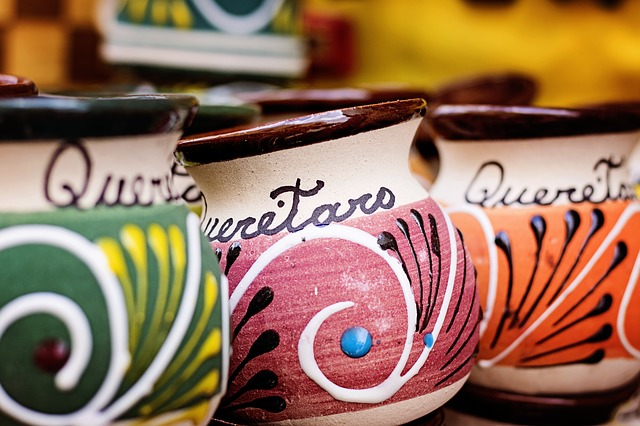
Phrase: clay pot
[112,308]
[352,297]
[13,86]
[550,219]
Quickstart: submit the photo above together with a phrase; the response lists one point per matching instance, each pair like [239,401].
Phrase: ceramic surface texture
[113,307]
[352,296]
[550,218]
[223,36]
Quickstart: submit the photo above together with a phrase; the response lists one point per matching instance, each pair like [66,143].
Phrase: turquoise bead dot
[428,340]
[356,342]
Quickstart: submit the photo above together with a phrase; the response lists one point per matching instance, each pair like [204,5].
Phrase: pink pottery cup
[353,299]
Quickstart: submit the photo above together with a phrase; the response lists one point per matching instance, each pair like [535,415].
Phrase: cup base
[508,407]
[435,418]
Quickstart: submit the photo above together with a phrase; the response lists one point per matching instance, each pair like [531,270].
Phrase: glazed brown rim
[495,122]
[296,132]
[11,85]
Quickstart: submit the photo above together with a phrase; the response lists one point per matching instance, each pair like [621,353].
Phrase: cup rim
[295,132]
[56,117]
[518,122]
[13,86]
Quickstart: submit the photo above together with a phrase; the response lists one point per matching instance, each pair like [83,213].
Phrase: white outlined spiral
[102,409]
[396,380]
[239,24]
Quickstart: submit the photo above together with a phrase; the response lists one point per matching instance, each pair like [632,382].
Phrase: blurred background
[578,51]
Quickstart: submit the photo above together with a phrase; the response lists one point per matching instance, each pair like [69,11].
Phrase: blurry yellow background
[578,50]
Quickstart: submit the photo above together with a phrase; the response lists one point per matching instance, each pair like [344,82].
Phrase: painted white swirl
[239,24]
[626,216]
[97,262]
[306,355]
[97,411]
[487,229]
[73,318]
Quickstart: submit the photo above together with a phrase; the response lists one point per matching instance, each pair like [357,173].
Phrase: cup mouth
[57,117]
[502,122]
[296,132]
[13,86]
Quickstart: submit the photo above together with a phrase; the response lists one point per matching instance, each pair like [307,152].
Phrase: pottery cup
[353,300]
[112,309]
[544,201]
[204,37]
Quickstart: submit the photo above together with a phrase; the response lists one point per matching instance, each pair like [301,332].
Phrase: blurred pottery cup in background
[353,300]
[230,37]
[548,212]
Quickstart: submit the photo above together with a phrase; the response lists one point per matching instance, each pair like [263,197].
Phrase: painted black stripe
[619,254]
[404,228]
[262,380]
[466,321]
[597,222]
[461,348]
[503,242]
[601,335]
[435,246]
[232,255]
[419,220]
[266,342]
[259,302]
[454,372]
[539,228]
[572,223]
[601,307]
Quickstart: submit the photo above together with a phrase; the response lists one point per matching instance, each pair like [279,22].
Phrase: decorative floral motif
[570,299]
[426,326]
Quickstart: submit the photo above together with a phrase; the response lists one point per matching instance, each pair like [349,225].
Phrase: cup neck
[535,172]
[85,174]
[315,184]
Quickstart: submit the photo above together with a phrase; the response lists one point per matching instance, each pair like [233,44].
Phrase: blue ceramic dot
[428,340]
[356,342]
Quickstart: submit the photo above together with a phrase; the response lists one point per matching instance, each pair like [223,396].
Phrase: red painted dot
[51,355]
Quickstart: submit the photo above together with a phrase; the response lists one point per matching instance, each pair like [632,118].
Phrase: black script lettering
[113,190]
[476,194]
[488,188]
[191,193]
[323,214]
[62,193]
